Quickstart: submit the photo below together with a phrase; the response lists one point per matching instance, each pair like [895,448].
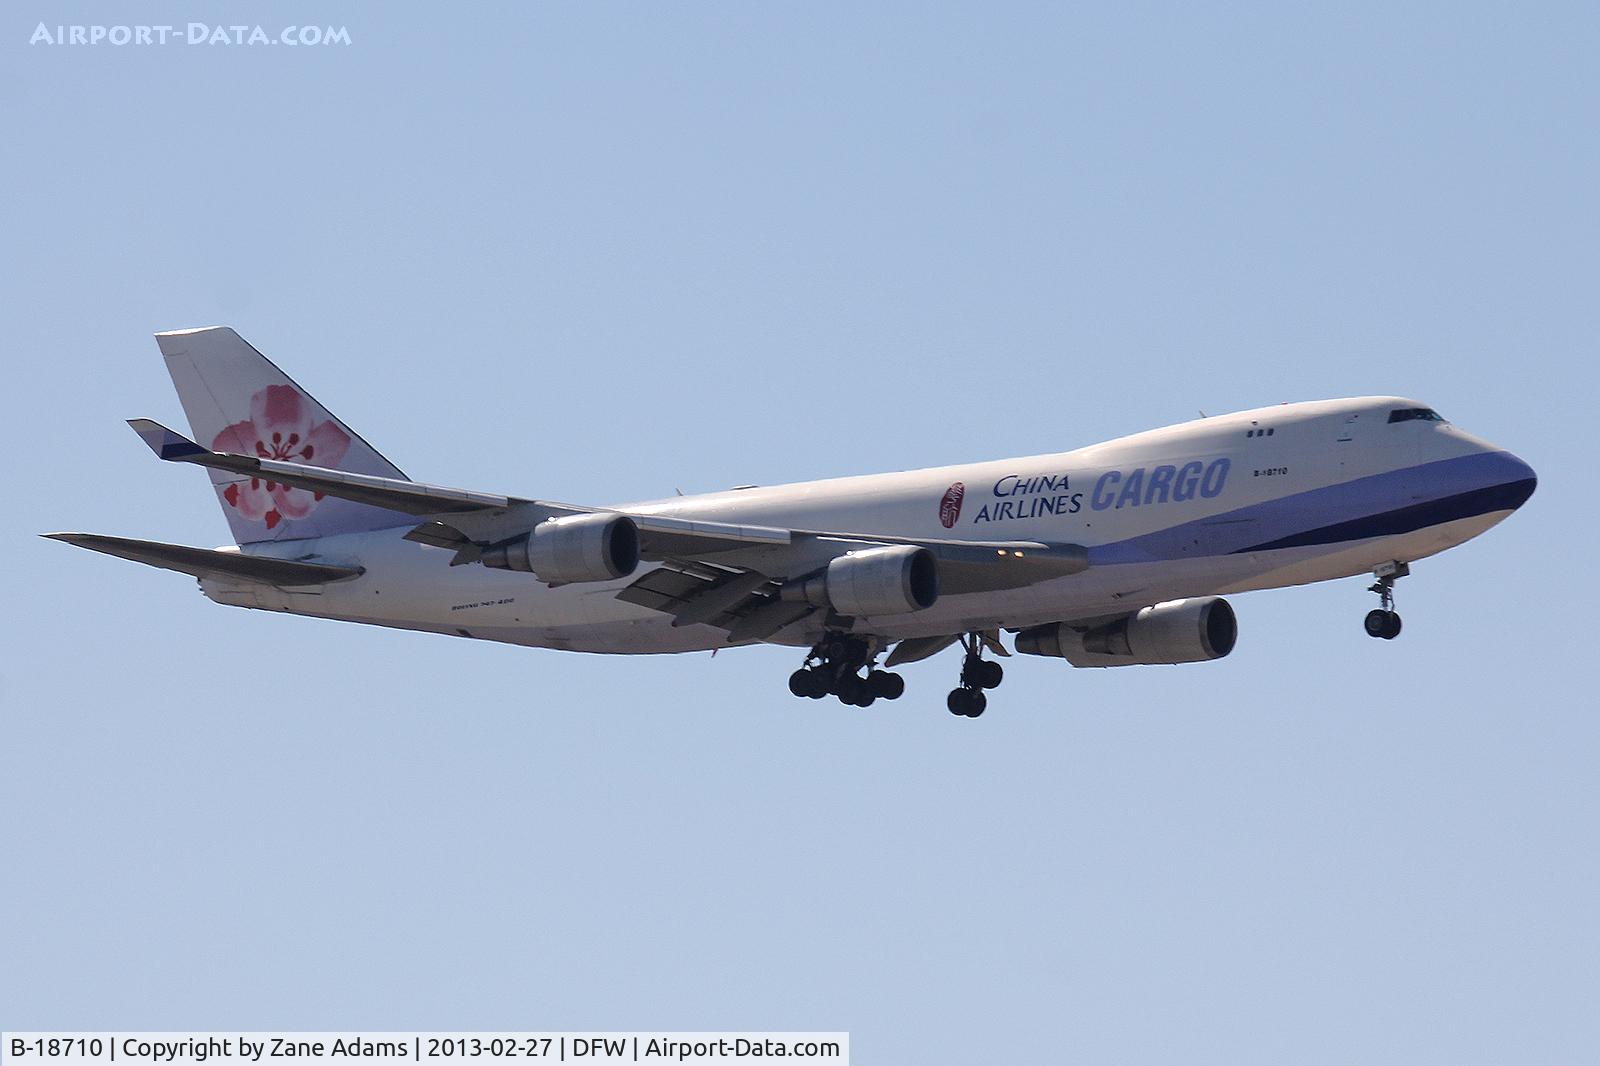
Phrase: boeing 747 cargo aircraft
[1117,554]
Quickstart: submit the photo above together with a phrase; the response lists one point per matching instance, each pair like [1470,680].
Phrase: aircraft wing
[739,591]
[710,569]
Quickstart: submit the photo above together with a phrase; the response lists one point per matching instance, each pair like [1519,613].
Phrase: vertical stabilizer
[238,401]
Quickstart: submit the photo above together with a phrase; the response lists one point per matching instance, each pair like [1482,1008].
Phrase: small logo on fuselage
[950,506]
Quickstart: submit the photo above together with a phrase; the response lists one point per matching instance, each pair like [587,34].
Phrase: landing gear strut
[833,668]
[977,673]
[1384,623]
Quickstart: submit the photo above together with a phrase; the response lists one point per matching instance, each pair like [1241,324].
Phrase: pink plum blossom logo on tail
[279,427]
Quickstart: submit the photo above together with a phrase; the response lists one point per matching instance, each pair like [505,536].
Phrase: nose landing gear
[1384,623]
[977,674]
[833,668]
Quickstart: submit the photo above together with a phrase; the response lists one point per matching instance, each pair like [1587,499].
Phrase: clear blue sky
[600,252]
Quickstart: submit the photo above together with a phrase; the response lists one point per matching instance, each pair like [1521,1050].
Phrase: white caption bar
[417,1049]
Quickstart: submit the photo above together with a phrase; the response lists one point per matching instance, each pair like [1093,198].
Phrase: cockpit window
[1418,414]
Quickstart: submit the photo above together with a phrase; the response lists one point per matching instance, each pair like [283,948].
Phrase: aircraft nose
[1521,481]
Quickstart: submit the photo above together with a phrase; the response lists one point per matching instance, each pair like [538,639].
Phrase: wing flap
[665,589]
[767,619]
[720,599]
[698,593]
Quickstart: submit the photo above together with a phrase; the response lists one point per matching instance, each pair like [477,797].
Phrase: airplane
[1116,554]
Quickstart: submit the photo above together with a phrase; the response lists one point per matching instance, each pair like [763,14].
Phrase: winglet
[163,441]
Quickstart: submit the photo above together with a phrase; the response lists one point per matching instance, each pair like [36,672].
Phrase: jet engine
[894,579]
[586,547]
[1178,631]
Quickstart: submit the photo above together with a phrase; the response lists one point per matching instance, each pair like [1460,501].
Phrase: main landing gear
[1384,623]
[977,674]
[833,668]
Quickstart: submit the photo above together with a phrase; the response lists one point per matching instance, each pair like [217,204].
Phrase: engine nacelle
[895,579]
[586,547]
[1178,631]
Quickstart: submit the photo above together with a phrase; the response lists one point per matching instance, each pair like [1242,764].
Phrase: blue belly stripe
[1507,497]
[1386,504]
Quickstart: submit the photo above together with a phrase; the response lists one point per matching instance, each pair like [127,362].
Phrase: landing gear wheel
[861,697]
[1384,625]
[966,702]
[808,684]
[853,691]
[886,685]
[988,673]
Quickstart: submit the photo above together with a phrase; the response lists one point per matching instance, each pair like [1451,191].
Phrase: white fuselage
[1260,499]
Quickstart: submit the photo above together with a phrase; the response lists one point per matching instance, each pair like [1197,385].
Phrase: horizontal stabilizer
[163,441]
[208,562]
[407,497]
